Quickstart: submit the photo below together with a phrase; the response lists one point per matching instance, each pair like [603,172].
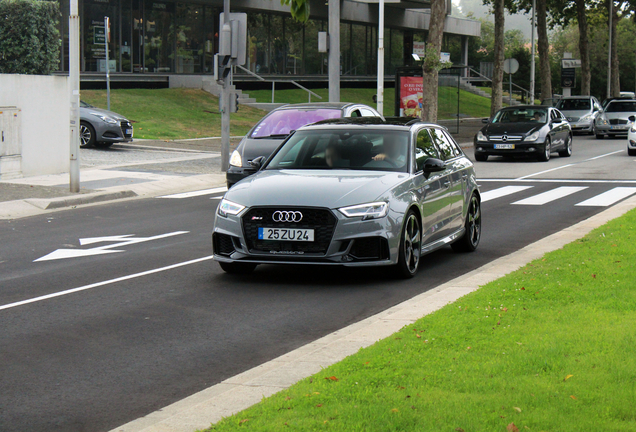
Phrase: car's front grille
[509,138]
[322,221]
[573,119]
[126,128]
[617,122]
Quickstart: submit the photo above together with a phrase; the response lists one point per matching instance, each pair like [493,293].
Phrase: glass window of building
[159,38]
[93,35]
[358,53]
[345,48]
[397,50]
[294,46]
[211,40]
[257,43]
[189,38]
[277,46]
[314,62]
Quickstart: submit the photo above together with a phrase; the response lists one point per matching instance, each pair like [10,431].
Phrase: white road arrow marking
[100,250]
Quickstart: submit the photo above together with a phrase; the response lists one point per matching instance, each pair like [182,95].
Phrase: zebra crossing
[603,199]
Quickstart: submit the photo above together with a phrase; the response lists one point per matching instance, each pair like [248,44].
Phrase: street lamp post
[73,85]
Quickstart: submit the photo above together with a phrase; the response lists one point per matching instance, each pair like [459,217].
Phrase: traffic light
[234,102]
[222,67]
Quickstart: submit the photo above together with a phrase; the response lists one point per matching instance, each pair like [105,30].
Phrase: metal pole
[273,89]
[532,73]
[609,51]
[334,50]
[380,95]
[510,87]
[73,85]
[106,35]
[225,110]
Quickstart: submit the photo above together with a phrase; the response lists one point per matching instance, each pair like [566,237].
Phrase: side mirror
[557,121]
[257,162]
[631,118]
[432,165]
[485,120]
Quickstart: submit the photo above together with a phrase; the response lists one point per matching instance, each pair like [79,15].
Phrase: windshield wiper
[272,136]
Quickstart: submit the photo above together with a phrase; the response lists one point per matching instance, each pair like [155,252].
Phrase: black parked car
[527,130]
[272,130]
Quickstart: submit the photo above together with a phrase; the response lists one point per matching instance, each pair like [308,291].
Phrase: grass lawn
[550,347]
[471,105]
[172,113]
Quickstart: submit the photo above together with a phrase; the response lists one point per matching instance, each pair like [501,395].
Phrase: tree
[432,64]
[615,83]
[497,75]
[584,47]
[299,9]
[544,49]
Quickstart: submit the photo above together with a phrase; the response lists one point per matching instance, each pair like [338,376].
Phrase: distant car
[526,130]
[631,137]
[628,94]
[102,128]
[581,111]
[614,119]
[349,194]
[553,101]
[272,130]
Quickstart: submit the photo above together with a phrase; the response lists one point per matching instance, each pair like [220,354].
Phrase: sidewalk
[144,168]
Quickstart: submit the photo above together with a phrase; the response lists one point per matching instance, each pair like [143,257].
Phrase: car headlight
[235,159]
[105,119]
[227,208]
[481,136]
[601,121]
[374,210]
[533,137]
[587,117]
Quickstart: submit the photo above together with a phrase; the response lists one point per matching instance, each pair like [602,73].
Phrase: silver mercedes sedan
[352,193]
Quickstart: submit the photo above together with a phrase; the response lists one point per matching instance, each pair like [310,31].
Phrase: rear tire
[481,157]
[410,248]
[237,268]
[470,240]
[567,151]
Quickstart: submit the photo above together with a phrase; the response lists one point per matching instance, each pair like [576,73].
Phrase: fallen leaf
[505,309]
[325,422]
[332,378]
[244,420]
[498,322]
[459,429]
[523,288]
[517,409]
[319,405]
[568,377]
[395,410]
[594,276]
[418,336]
[512,428]
[468,348]
[573,397]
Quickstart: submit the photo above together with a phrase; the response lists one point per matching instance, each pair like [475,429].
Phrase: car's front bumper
[520,148]
[582,126]
[114,133]
[612,129]
[353,243]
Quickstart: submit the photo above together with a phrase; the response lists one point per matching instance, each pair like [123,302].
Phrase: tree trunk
[544,50]
[584,48]
[497,75]
[615,84]
[430,70]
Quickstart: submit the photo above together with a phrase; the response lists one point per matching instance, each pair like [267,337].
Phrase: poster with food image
[411,96]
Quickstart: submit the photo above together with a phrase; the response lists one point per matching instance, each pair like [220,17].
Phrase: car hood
[576,113]
[316,188]
[619,115]
[510,128]
[85,112]
[250,148]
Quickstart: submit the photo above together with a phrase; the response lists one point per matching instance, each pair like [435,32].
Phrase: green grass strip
[550,347]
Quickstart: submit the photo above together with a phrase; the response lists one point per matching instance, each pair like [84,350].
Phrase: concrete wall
[43,101]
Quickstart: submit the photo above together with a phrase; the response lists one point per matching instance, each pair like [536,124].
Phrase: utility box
[10,143]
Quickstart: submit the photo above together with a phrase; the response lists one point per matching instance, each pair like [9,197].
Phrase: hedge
[29,36]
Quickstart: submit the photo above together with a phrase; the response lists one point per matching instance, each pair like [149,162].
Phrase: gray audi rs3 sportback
[353,193]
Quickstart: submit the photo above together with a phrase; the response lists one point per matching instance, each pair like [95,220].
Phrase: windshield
[355,149]
[518,115]
[574,105]
[284,121]
[616,106]
[85,105]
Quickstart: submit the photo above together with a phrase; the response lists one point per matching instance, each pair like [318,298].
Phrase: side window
[445,147]
[457,151]
[355,113]
[424,149]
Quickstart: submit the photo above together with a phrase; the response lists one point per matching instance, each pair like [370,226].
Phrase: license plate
[618,127]
[129,132]
[504,146]
[286,234]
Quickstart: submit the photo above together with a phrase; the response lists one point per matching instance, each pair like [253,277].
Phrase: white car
[631,137]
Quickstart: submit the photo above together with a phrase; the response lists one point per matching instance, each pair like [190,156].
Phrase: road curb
[237,393]
[56,203]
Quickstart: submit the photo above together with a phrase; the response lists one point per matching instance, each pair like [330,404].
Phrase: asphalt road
[158,320]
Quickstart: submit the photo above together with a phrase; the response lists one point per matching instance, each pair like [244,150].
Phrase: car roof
[393,123]
[528,107]
[317,105]
[576,97]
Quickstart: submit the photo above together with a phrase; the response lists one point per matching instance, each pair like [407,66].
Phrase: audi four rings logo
[287,216]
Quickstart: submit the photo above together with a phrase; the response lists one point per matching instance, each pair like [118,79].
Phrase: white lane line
[610,197]
[551,195]
[217,197]
[107,282]
[501,192]
[195,193]
[569,165]
[502,180]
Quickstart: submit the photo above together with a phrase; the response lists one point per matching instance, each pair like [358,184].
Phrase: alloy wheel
[474,222]
[85,135]
[412,243]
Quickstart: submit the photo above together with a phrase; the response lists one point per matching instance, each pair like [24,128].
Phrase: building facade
[181,37]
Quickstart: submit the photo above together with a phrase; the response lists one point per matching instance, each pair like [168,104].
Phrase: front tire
[470,240]
[87,135]
[237,268]
[545,156]
[481,157]
[410,248]
[567,151]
